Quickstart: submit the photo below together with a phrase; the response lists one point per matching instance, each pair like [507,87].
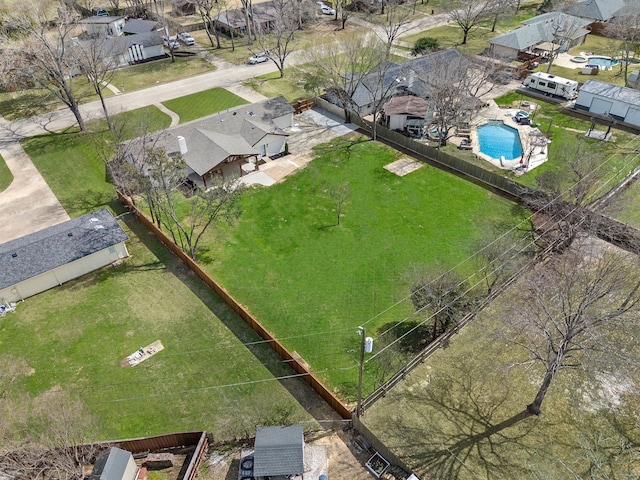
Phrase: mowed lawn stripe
[205,103]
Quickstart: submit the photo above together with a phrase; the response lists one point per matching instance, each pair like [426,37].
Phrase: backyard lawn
[205,103]
[290,86]
[73,337]
[312,282]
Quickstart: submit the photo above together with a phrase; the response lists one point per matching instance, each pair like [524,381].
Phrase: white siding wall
[584,99]
[396,122]
[63,274]
[504,52]
[271,145]
[285,121]
[130,472]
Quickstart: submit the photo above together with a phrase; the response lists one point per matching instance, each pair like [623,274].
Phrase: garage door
[633,116]
[601,107]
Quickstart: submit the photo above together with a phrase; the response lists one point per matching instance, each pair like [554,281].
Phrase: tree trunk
[464,38]
[495,21]
[75,108]
[534,407]
[104,109]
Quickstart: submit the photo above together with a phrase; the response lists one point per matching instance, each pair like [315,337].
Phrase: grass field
[312,282]
[73,337]
[5,175]
[205,103]
[271,85]
[456,415]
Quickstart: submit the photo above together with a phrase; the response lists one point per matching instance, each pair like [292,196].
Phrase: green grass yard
[73,337]
[312,282]
[5,175]
[205,103]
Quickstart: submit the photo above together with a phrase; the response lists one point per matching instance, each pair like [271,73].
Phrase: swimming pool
[602,61]
[499,140]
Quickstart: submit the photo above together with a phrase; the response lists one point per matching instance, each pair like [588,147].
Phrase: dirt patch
[345,458]
[403,166]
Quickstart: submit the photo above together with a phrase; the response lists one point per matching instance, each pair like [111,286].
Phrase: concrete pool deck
[534,143]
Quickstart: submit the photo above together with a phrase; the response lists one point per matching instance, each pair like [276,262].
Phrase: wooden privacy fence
[302,105]
[243,313]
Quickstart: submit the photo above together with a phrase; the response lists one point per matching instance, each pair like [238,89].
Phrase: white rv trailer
[551,84]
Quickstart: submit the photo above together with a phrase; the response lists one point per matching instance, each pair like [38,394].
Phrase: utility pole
[366,345]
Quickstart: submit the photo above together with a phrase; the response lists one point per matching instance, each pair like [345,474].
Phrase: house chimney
[182,145]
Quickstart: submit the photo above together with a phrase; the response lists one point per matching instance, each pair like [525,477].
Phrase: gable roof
[278,451]
[600,10]
[540,29]
[100,20]
[406,105]
[59,245]
[407,76]
[111,465]
[613,92]
[210,140]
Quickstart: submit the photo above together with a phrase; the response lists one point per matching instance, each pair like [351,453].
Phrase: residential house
[127,49]
[406,112]
[181,8]
[227,144]
[278,452]
[551,33]
[114,464]
[99,26]
[595,10]
[52,256]
[600,98]
[262,17]
[399,79]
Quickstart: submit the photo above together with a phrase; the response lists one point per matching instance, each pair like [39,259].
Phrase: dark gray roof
[407,76]
[110,464]
[59,245]
[233,132]
[601,10]
[139,25]
[613,92]
[278,451]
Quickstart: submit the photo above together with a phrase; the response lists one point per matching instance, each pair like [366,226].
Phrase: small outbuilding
[601,98]
[114,464]
[48,258]
[279,452]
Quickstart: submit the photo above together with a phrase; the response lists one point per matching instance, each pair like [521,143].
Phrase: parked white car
[259,58]
[186,38]
[326,9]
[171,43]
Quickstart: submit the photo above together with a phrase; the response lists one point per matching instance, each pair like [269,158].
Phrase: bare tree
[563,311]
[280,40]
[469,15]
[454,89]
[344,10]
[564,31]
[247,9]
[340,195]
[46,50]
[625,27]
[340,68]
[96,60]
[501,9]
[205,8]
[188,217]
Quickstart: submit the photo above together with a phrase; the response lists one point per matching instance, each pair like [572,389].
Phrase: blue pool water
[602,61]
[499,140]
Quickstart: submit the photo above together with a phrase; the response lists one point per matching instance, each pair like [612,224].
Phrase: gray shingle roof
[139,25]
[278,451]
[601,10]
[541,29]
[55,246]
[110,464]
[613,92]
[99,20]
[238,130]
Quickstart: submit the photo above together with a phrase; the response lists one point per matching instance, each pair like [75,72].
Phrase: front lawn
[290,86]
[5,175]
[205,103]
[73,170]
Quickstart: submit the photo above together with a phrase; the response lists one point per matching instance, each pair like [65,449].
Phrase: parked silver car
[259,58]
[186,38]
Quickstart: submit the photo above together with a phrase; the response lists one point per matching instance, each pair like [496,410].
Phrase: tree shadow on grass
[459,429]
[306,397]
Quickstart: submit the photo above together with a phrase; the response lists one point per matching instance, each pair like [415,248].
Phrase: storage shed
[114,464]
[48,258]
[279,451]
[601,98]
